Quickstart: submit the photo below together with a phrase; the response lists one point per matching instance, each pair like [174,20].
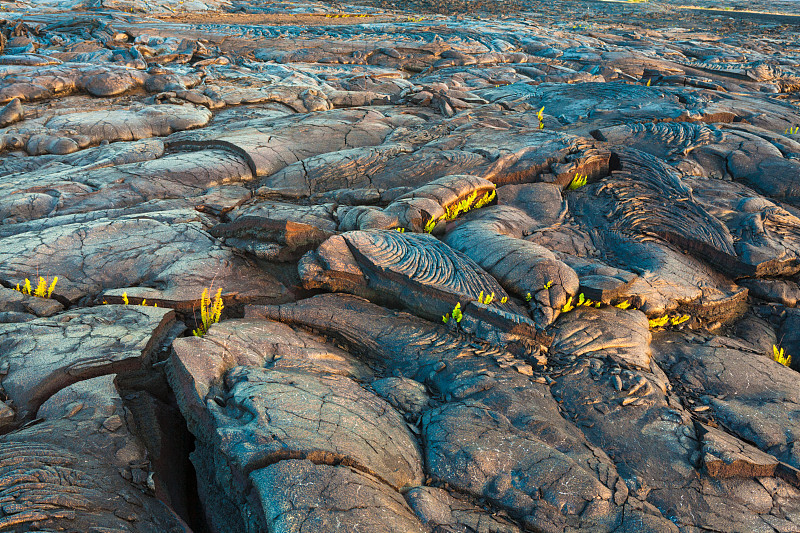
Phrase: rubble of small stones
[486,267]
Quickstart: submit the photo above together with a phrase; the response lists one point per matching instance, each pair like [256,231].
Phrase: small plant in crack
[665,320]
[579,180]
[42,290]
[126,301]
[487,299]
[780,356]
[210,313]
[467,204]
[455,314]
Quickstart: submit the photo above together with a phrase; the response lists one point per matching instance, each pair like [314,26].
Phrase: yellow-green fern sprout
[659,322]
[579,180]
[41,288]
[780,356]
[209,313]
[679,319]
[430,224]
[488,197]
[457,315]
[52,287]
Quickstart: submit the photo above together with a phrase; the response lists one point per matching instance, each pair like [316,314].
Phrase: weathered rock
[639,157]
[80,468]
[16,301]
[766,236]
[12,112]
[748,392]
[47,354]
[726,456]
[291,376]
[622,335]
[428,277]
[760,159]
[71,190]
[439,509]
[525,269]
[480,452]
[518,413]
[405,395]
[773,290]
[338,497]
[420,210]
[271,145]
[76,252]
[269,238]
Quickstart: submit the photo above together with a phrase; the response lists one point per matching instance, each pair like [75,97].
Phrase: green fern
[780,356]
[579,180]
[209,313]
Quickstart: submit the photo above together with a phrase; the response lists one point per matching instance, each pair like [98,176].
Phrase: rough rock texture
[80,468]
[42,356]
[437,267]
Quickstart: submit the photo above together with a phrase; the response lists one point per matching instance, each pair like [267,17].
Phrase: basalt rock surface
[441,267]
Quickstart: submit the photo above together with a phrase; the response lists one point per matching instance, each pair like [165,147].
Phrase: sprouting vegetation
[582,301]
[792,130]
[579,180]
[42,290]
[528,297]
[467,204]
[540,116]
[679,319]
[345,15]
[659,322]
[401,230]
[455,314]
[662,321]
[127,302]
[487,299]
[547,285]
[209,313]
[780,356]
[429,225]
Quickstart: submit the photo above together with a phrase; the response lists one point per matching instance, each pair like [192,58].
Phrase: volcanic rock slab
[80,468]
[45,355]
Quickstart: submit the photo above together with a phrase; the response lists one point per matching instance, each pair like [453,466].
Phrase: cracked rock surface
[460,267]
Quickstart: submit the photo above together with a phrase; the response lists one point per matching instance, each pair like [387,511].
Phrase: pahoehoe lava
[432,266]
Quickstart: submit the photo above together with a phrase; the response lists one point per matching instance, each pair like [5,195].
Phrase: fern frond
[41,288]
[52,287]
